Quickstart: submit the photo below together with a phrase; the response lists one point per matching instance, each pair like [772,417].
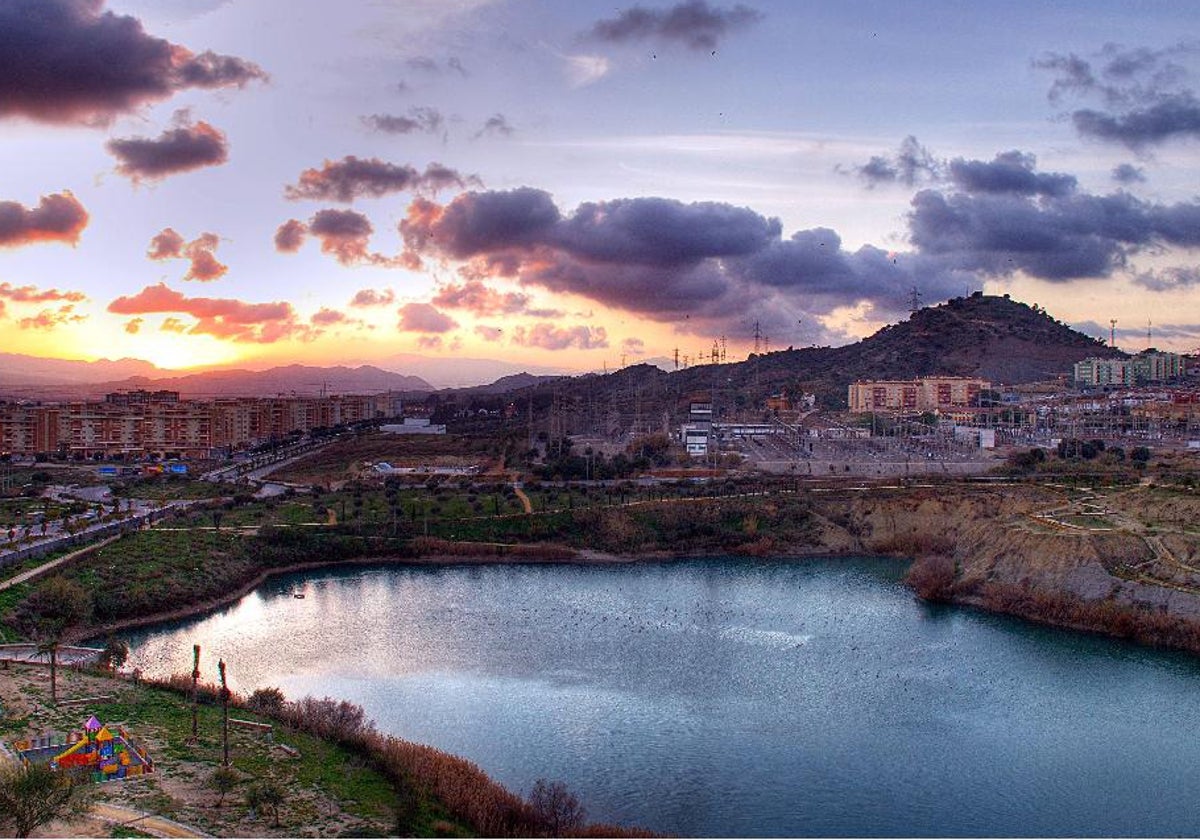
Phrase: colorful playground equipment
[96,753]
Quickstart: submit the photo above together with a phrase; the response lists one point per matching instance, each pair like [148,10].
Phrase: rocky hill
[1002,340]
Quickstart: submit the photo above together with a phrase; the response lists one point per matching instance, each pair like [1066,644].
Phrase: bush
[932,576]
[269,700]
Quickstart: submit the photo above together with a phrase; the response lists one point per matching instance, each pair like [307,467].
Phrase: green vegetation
[167,488]
[33,796]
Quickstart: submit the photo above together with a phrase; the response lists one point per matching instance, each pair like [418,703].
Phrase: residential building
[932,393]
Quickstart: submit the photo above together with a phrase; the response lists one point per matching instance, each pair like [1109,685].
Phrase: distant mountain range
[1002,340]
[35,378]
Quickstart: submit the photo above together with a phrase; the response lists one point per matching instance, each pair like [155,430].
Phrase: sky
[582,185]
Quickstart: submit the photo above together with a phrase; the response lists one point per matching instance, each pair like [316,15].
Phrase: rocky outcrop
[1013,550]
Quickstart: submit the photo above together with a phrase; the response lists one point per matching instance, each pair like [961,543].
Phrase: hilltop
[993,337]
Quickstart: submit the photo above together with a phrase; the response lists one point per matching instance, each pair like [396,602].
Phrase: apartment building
[1149,366]
[932,393]
[159,423]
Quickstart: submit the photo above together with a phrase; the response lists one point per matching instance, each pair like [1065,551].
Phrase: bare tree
[556,807]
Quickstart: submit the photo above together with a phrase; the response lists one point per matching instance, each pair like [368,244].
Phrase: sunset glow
[568,187]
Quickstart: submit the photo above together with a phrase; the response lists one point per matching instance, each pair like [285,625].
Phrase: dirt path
[525,503]
[140,820]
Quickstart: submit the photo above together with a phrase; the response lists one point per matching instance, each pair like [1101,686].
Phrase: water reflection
[734,697]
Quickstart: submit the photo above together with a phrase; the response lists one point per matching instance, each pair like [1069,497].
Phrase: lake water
[735,697]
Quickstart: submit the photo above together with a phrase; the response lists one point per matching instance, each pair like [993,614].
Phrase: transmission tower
[676,358]
[1112,332]
[722,349]
[757,338]
[914,299]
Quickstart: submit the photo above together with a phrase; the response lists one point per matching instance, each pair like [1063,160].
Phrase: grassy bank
[338,774]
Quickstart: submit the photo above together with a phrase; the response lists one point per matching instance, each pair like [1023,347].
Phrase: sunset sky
[576,184]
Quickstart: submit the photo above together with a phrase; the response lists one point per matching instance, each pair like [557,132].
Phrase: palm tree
[56,607]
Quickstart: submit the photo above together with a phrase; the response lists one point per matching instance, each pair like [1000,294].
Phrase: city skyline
[572,185]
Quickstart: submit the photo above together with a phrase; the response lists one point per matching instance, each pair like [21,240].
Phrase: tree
[52,610]
[223,780]
[556,807]
[266,797]
[33,795]
[115,652]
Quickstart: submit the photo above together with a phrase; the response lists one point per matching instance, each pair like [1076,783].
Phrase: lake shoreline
[579,558]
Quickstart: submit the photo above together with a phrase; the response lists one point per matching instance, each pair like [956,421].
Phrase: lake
[734,697]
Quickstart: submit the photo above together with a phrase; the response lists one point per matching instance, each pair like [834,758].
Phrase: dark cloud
[290,235]
[1144,93]
[550,337]
[1168,279]
[1009,172]
[495,124]
[224,318]
[57,218]
[475,223]
[643,231]
[693,23]
[424,318]
[205,266]
[344,235]
[369,297]
[703,262]
[419,120]
[68,61]
[354,177]
[32,294]
[911,164]
[1174,116]
[1054,239]
[706,265]
[1127,173]
[184,148]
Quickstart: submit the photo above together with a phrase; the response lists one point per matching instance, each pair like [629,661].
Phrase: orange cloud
[48,319]
[32,294]
[225,318]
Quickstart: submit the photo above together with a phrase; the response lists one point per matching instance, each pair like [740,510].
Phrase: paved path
[38,571]
[140,820]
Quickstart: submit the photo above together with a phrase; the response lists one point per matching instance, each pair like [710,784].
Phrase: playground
[95,753]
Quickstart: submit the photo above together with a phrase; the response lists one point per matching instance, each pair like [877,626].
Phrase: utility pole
[1112,332]
[676,358]
[195,737]
[225,712]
